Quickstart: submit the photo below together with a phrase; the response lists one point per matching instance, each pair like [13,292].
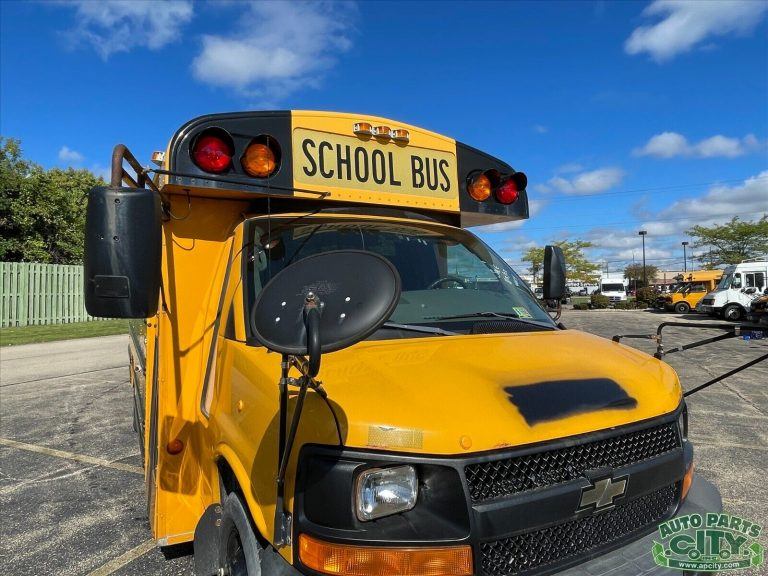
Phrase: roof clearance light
[479,187]
[382,132]
[259,160]
[212,154]
[363,129]
[400,135]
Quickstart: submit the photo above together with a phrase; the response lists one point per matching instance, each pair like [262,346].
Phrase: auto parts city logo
[709,543]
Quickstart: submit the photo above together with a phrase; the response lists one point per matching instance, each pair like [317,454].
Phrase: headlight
[384,491]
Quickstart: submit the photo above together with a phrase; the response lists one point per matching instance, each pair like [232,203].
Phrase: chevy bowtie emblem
[602,493]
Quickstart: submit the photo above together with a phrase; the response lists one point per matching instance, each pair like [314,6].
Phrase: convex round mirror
[353,291]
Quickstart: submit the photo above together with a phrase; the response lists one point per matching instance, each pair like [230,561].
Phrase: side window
[736,284]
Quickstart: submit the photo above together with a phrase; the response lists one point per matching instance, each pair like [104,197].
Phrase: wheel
[682,308]
[239,551]
[732,312]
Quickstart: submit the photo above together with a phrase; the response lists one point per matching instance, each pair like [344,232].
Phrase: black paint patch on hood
[561,398]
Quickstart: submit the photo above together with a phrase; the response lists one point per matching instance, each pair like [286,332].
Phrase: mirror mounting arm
[312,322]
[309,367]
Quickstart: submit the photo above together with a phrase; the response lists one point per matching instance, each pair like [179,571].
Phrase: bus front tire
[239,550]
[732,312]
[682,308]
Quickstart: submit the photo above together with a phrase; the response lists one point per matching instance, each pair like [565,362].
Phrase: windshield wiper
[423,329]
[504,315]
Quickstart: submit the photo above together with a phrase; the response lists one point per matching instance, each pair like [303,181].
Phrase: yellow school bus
[691,288]
[464,431]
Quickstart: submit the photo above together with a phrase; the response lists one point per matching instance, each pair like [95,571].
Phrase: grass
[50,332]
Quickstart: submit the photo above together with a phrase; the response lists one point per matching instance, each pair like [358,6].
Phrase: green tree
[634,273]
[42,212]
[578,268]
[535,257]
[732,242]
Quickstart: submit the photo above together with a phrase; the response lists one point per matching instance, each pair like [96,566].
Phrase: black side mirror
[554,273]
[123,252]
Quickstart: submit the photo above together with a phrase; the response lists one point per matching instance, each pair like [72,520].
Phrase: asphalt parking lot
[71,484]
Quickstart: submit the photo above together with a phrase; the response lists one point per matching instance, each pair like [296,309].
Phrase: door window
[736,284]
[755,280]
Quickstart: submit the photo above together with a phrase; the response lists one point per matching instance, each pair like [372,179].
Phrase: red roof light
[507,192]
[212,154]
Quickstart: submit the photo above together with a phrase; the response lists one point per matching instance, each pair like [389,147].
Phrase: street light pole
[645,279]
[685,257]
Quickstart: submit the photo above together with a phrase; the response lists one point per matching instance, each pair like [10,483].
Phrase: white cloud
[278,48]
[666,228]
[590,182]
[672,144]
[722,202]
[651,253]
[686,23]
[69,156]
[719,146]
[665,145]
[112,26]
[540,129]
[569,167]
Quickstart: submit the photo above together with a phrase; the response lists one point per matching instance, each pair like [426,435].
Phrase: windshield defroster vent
[506,326]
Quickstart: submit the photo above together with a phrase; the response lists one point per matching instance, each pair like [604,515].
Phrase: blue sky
[624,115]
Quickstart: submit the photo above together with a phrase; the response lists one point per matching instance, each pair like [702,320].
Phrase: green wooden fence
[35,293]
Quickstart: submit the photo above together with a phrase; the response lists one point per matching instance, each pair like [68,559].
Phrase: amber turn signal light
[332,558]
[479,187]
[259,160]
[687,481]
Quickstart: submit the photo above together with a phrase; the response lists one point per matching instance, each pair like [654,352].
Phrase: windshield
[444,271]
[613,288]
[725,281]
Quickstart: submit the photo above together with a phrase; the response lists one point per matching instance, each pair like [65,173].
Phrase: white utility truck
[739,286]
[614,285]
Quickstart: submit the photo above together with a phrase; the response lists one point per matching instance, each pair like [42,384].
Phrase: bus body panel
[194,252]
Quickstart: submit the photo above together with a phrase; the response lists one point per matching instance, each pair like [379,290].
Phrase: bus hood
[452,395]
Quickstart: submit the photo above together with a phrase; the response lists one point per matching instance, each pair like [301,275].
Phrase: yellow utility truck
[452,428]
[691,288]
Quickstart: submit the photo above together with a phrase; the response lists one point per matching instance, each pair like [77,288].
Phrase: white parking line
[115,564]
[71,456]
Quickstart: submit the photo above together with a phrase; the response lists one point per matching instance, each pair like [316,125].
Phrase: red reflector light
[212,154]
[507,192]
